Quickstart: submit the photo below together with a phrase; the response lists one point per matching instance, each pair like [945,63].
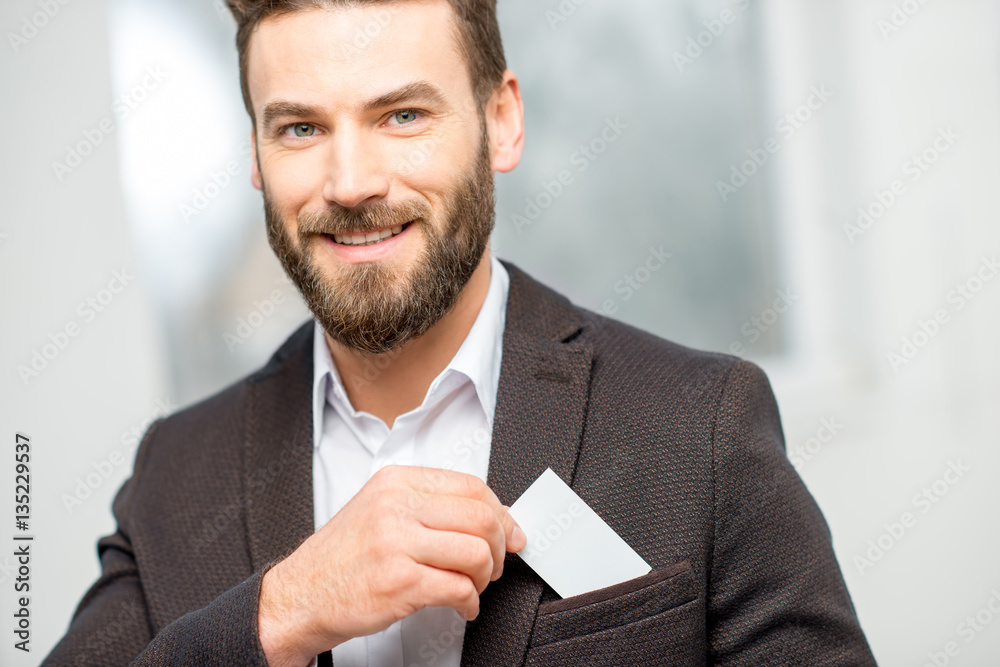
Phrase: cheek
[432,166]
[419,158]
[293,180]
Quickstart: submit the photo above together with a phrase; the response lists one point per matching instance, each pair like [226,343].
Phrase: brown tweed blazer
[681,452]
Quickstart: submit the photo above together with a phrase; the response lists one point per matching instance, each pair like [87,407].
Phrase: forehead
[336,56]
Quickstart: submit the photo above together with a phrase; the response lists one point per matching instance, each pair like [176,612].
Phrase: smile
[369,238]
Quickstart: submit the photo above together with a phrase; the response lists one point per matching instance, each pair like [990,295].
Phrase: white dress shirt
[451,429]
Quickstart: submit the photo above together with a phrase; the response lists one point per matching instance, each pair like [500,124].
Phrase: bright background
[152,198]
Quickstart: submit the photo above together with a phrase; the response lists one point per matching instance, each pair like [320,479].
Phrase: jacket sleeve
[776,592]
[111,626]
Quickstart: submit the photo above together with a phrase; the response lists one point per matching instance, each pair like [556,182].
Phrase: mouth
[368,238]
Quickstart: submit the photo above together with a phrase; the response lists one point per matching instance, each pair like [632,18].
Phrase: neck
[391,384]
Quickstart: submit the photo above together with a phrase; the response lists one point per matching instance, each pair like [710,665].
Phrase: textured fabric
[679,451]
[450,429]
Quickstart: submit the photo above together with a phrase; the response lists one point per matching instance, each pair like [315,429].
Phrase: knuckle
[469,484]
[379,543]
[382,506]
[390,474]
[463,588]
[483,517]
[415,499]
[401,577]
[479,554]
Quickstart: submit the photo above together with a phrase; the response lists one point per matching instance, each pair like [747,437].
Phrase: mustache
[369,218]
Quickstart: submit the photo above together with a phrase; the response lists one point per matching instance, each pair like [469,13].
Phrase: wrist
[283,623]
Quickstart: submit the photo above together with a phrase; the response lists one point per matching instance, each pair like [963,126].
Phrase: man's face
[374,163]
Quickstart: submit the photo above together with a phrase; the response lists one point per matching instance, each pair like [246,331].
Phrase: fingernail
[518,537]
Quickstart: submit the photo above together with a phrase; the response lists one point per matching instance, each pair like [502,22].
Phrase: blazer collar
[278,462]
[538,423]
[541,404]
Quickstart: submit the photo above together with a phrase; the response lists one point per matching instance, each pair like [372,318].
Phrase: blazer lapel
[541,404]
[279,448]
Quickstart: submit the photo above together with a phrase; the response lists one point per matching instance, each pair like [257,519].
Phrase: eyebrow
[417,91]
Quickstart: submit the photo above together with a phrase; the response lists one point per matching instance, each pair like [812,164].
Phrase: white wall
[62,242]
[899,429]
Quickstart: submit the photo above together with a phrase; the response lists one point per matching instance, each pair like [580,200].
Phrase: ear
[505,123]
[254,166]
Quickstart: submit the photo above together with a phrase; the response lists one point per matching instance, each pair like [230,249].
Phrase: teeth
[367,239]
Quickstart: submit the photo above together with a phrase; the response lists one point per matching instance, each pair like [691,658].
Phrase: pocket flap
[616,605]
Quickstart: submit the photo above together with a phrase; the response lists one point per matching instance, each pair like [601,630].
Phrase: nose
[355,172]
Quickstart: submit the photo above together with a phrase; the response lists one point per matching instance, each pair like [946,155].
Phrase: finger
[458,552]
[438,481]
[446,588]
[513,535]
[468,516]
[449,482]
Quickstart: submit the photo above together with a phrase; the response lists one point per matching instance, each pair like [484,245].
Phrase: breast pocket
[652,619]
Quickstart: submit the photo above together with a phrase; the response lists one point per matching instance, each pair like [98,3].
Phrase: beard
[374,308]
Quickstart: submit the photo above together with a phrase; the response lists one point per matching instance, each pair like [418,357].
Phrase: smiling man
[316,512]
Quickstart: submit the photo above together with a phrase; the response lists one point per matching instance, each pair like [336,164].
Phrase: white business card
[569,546]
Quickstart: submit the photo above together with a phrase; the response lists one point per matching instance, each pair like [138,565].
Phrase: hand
[410,538]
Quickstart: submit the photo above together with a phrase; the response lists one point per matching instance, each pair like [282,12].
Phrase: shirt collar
[478,358]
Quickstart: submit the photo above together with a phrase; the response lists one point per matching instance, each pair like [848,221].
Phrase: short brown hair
[478,36]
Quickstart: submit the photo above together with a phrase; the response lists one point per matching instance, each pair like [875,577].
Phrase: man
[323,510]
